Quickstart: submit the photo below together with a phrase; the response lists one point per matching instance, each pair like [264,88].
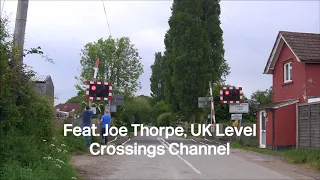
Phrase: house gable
[276,50]
[304,46]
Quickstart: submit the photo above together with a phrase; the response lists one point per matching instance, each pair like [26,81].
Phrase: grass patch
[303,156]
[293,156]
[255,149]
[33,158]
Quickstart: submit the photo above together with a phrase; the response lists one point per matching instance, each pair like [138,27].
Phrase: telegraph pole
[20,28]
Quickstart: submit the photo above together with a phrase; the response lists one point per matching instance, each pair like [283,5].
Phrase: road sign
[235,123]
[239,108]
[236,116]
[113,108]
[94,109]
[117,99]
[204,102]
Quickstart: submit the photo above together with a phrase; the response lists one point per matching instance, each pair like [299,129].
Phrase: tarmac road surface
[168,166]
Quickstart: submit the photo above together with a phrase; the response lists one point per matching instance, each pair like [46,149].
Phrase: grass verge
[33,158]
[293,156]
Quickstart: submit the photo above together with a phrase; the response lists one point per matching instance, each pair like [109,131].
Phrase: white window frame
[289,77]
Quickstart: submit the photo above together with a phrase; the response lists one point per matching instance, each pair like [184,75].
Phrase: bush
[31,145]
[164,119]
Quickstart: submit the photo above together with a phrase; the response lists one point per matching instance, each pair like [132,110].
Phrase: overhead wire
[245,38]
[108,74]
[105,14]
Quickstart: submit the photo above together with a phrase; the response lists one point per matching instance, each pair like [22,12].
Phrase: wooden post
[213,119]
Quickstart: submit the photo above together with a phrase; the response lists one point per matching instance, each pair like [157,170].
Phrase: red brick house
[64,110]
[294,64]
[68,107]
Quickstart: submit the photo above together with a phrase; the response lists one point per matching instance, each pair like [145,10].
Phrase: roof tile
[68,107]
[305,45]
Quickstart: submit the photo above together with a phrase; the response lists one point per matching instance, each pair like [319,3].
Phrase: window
[288,72]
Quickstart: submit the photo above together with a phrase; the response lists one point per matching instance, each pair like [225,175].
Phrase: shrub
[164,119]
[31,145]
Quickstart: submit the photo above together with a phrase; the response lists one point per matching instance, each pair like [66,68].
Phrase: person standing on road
[86,121]
[105,122]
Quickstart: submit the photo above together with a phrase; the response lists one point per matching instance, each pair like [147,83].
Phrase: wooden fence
[308,125]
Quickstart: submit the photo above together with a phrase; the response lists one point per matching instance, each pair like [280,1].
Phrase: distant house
[44,86]
[63,110]
[68,107]
[294,64]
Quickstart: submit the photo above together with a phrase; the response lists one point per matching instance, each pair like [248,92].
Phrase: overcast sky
[250,29]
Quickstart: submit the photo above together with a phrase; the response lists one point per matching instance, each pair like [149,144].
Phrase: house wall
[50,89]
[285,126]
[312,79]
[293,89]
[41,88]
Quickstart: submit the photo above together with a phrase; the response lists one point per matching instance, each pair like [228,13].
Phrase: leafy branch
[39,52]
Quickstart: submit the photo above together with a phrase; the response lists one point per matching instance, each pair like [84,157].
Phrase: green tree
[138,107]
[159,108]
[119,63]
[258,98]
[168,88]
[262,97]
[194,53]
[79,98]
[156,84]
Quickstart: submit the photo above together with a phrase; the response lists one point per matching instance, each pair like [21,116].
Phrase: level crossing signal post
[234,97]
[101,91]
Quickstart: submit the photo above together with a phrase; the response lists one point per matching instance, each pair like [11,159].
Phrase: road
[237,165]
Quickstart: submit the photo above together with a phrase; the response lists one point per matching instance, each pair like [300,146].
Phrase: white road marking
[211,145]
[126,141]
[204,143]
[212,141]
[193,140]
[185,161]
[113,140]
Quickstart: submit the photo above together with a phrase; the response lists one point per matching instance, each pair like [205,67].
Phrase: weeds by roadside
[32,158]
[293,156]
[303,156]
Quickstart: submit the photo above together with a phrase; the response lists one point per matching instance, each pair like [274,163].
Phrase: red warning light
[93,88]
[227,93]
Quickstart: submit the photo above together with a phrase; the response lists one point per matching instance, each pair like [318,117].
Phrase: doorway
[262,142]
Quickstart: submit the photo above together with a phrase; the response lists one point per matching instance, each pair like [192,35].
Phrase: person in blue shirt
[86,120]
[105,122]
